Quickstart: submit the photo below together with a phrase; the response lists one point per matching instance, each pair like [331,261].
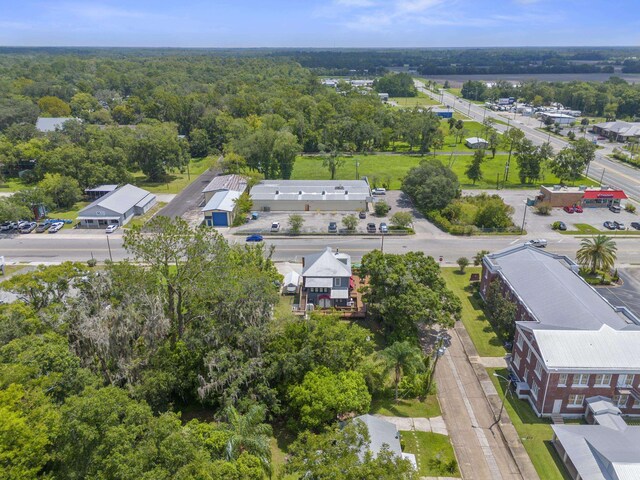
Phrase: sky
[319,23]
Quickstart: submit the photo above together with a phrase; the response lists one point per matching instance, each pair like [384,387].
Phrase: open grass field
[394,167]
[175,181]
[421,100]
[534,432]
[431,450]
[475,321]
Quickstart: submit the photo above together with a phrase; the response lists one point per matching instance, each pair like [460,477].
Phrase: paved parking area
[627,294]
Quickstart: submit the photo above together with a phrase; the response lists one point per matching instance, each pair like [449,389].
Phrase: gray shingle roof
[226,182]
[381,433]
[325,264]
[120,200]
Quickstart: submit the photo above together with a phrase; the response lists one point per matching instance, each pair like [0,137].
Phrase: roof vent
[346,192]
[323,192]
[339,187]
[277,192]
[299,192]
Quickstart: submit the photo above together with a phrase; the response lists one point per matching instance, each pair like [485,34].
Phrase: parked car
[42,227]
[569,209]
[371,228]
[55,227]
[562,226]
[609,225]
[619,225]
[379,191]
[333,227]
[384,228]
[577,209]
[362,214]
[615,208]
[5,227]
[635,225]
[275,227]
[537,242]
[22,223]
[111,228]
[29,227]
[254,238]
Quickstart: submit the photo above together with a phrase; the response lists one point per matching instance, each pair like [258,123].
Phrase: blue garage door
[220,219]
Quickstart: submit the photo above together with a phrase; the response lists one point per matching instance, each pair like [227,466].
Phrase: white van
[275,227]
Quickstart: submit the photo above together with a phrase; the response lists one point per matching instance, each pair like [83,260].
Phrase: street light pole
[504,397]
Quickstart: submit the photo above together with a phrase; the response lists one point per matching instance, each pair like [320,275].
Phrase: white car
[111,228]
[379,191]
[55,227]
[538,242]
[275,227]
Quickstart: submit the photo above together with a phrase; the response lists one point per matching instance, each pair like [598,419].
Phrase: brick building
[570,343]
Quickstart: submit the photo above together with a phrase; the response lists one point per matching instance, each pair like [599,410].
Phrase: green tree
[381,208]
[493,213]
[401,219]
[54,107]
[63,191]
[597,253]
[332,162]
[477,258]
[502,312]
[296,222]
[585,150]
[396,85]
[474,169]
[249,434]
[158,149]
[343,452]
[17,110]
[511,139]
[12,211]
[402,357]
[494,141]
[323,397]
[462,262]
[431,185]
[568,165]
[407,290]
[350,222]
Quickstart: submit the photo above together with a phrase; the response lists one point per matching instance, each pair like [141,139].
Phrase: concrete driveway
[627,294]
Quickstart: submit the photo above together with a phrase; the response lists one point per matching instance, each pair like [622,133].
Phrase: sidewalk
[419,424]
[481,451]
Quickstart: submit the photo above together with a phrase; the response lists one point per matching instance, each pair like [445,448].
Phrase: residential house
[326,279]
[116,207]
[383,434]
[570,343]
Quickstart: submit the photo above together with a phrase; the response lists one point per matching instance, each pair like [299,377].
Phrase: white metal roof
[102,188]
[325,264]
[226,182]
[305,190]
[475,140]
[224,200]
[120,200]
[292,278]
[316,282]
[605,349]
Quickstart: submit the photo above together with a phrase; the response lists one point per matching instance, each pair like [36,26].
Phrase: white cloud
[96,11]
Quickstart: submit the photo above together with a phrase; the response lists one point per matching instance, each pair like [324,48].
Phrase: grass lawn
[395,167]
[407,408]
[473,318]
[10,270]
[70,214]
[142,219]
[429,447]
[12,184]
[534,432]
[410,102]
[454,91]
[279,444]
[586,229]
[285,304]
[175,181]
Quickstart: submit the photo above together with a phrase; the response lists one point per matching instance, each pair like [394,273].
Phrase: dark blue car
[254,238]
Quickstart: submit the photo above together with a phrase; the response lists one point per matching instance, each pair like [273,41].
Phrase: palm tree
[402,357]
[598,252]
[249,434]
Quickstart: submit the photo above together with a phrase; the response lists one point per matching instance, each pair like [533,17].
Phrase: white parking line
[516,240]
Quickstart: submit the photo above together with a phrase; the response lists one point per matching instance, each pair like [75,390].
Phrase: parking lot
[540,225]
[627,294]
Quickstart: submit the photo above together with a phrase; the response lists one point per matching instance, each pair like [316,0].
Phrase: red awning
[352,283]
[604,194]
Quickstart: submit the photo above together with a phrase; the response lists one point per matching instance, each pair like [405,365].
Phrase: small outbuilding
[443,112]
[476,143]
[559,118]
[99,191]
[291,283]
[116,207]
[220,210]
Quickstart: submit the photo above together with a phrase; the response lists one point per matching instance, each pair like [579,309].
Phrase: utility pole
[524,216]
[602,177]
[109,247]
[382,242]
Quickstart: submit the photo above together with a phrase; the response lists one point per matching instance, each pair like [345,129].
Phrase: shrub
[630,207]
[382,208]
[92,262]
[401,219]
[350,222]
[543,209]
[462,263]
[556,225]
[295,223]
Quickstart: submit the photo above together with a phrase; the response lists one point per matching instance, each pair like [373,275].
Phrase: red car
[577,208]
[569,209]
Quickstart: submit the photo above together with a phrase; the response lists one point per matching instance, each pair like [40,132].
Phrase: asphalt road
[627,294]
[77,247]
[190,197]
[601,169]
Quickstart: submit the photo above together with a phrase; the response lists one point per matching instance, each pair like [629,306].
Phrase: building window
[520,341]
[575,401]
[603,380]
[535,389]
[526,375]
[636,403]
[626,380]
[337,282]
[529,355]
[581,380]
[516,360]
[620,401]
[539,369]
[562,380]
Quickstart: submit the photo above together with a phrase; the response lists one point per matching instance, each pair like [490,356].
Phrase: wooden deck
[358,310]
